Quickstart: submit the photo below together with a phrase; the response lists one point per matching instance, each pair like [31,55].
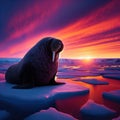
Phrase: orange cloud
[96,34]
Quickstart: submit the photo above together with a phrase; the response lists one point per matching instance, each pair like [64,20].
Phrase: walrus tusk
[53,56]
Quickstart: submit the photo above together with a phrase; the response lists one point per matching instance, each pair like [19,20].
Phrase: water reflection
[72,105]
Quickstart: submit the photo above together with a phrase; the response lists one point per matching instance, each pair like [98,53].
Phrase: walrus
[39,65]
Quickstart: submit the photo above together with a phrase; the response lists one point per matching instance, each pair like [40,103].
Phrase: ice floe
[93,81]
[112,76]
[50,114]
[112,95]
[23,102]
[94,111]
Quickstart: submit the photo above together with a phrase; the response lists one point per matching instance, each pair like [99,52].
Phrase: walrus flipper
[53,82]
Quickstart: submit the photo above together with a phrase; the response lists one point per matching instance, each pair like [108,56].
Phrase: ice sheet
[93,81]
[21,102]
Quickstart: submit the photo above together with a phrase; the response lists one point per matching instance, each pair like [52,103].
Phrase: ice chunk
[4,115]
[112,76]
[23,102]
[95,111]
[50,114]
[93,81]
[66,76]
[112,95]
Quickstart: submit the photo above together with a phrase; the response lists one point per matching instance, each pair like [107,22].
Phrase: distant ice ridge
[6,62]
[66,63]
[104,61]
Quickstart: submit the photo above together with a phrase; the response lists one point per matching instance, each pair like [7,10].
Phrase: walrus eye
[53,56]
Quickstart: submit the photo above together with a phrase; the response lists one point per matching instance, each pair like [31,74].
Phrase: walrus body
[36,67]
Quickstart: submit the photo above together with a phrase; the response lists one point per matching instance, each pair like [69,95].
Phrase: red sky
[88,28]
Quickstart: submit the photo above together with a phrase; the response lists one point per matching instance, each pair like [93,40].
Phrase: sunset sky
[88,28]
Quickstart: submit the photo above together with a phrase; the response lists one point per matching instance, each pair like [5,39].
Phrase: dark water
[72,105]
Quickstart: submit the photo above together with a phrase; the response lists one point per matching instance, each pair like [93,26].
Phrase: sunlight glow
[87,59]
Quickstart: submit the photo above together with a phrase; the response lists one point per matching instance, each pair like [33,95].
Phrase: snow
[96,111]
[93,81]
[112,95]
[23,102]
[4,115]
[50,114]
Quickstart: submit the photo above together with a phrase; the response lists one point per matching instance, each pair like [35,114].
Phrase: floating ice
[94,111]
[50,114]
[23,102]
[112,95]
[93,81]
[112,76]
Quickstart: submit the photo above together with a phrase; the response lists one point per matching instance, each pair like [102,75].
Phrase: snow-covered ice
[4,115]
[112,95]
[50,114]
[93,81]
[94,111]
[23,102]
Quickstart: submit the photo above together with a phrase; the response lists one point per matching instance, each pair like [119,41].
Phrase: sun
[87,59]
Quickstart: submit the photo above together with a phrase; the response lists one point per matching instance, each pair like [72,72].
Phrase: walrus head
[56,47]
